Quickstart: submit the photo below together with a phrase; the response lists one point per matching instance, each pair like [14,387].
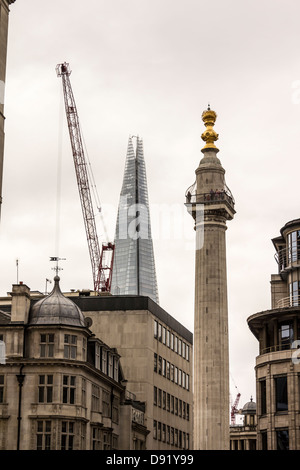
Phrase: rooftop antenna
[17,265]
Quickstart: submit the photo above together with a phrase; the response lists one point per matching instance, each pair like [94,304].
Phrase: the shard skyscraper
[134,266]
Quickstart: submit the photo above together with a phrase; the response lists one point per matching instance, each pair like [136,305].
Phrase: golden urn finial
[209,135]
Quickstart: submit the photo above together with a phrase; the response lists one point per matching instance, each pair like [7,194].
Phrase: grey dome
[249,407]
[56,309]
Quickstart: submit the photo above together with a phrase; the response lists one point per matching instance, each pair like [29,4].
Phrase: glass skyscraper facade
[134,266]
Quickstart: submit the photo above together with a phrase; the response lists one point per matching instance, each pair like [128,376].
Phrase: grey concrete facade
[211,204]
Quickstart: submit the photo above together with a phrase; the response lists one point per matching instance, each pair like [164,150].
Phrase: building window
[172,373]
[179,377]
[159,332]
[172,436]
[154,429]
[104,360]
[47,345]
[69,388]
[155,329]
[263,397]
[70,347]
[43,435]
[83,392]
[183,349]
[106,440]
[67,435]
[163,437]
[164,335]
[164,400]
[294,246]
[2,350]
[155,396]
[96,438]
[281,393]
[282,439]
[168,402]
[159,364]
[110,365]
[168,370]
[45,388]
[106,403]
[83,436]
[164,367]
[286,335]
[155,362]
[1,388]
[115,410]
[159,430]
[176,406]
[294,290]
[168,338]
[264,440]
[84,350]
[159,401]
[187,353]
[95,398]
[116,369]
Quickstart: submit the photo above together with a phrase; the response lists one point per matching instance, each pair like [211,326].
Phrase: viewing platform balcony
[214,195]
[290,301]
[287,259]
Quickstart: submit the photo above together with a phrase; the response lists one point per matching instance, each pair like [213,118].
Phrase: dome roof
[249,407]
[56,309]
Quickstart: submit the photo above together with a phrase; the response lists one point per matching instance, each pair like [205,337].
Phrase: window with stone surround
[69,389]
[47,345]
[67,435]
[45,389]
[43,435]
[70,346]
[2,384]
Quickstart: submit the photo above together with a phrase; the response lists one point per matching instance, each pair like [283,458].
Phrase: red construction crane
[234,409]
[102,261]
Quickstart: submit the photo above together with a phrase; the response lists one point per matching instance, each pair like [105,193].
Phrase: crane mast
[100,266]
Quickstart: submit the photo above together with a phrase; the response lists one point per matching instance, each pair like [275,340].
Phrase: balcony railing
[287,258]
[291,301]
[213,196]
[279,347]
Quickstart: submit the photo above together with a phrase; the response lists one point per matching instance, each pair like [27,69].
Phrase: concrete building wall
[132,333]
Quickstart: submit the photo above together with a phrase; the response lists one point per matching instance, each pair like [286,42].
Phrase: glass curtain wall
[134,265]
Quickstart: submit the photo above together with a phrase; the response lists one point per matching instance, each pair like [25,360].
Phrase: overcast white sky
[150,67]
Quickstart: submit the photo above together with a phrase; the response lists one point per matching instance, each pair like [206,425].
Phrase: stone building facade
[277,365]
[61,386]
[151,351]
